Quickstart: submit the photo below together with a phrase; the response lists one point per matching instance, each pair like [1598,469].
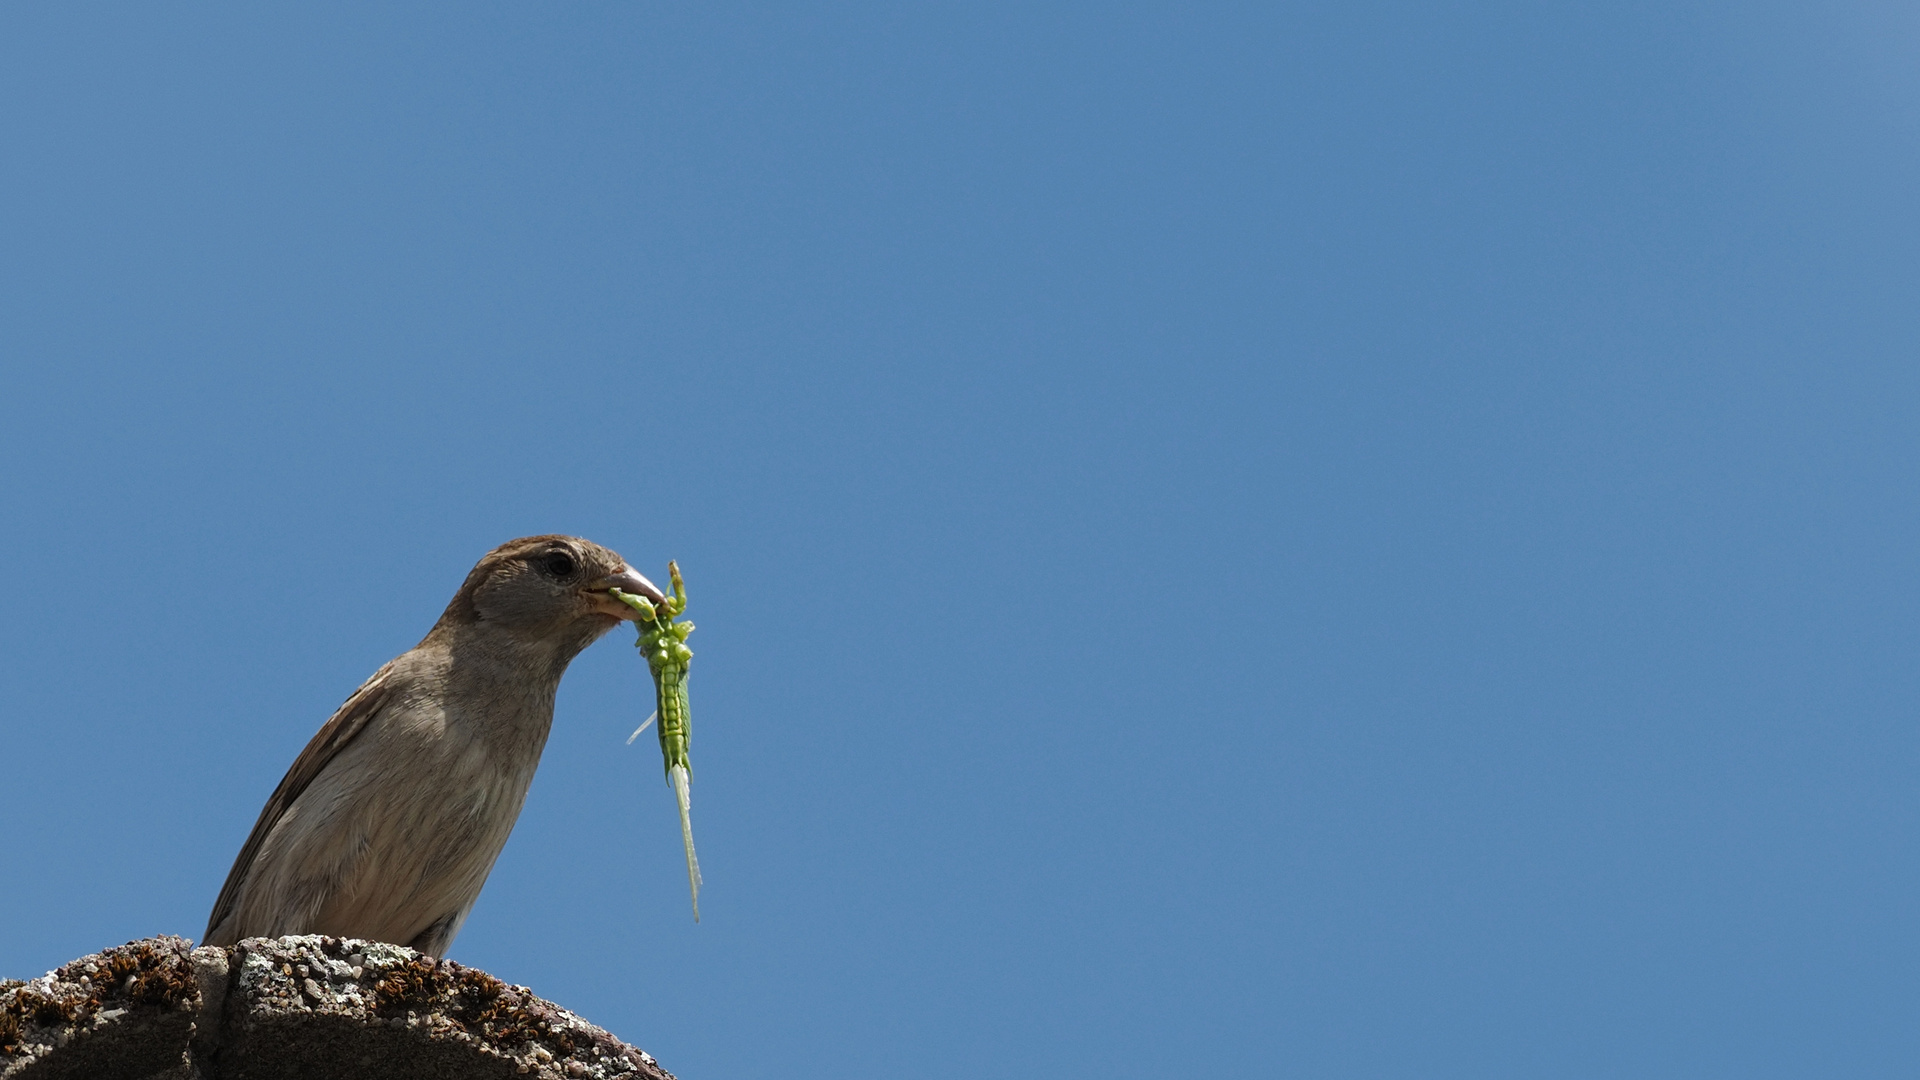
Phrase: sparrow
[390,820]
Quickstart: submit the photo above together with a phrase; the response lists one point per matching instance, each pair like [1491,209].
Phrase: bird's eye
[559,564]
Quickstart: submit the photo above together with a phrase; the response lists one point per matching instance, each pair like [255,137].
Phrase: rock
[297,1007]
[126,1012]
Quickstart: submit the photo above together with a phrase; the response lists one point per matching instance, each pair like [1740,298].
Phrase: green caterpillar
[664,644]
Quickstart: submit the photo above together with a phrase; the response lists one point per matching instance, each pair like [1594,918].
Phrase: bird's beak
[627,580]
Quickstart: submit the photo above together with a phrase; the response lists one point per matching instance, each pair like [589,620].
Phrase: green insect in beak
[664,644]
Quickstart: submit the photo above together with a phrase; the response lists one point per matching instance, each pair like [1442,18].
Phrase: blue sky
[1340,540]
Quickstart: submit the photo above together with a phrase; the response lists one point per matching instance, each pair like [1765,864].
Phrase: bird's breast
[444,785]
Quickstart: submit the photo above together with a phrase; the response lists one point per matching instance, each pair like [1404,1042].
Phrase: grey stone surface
[297,1007]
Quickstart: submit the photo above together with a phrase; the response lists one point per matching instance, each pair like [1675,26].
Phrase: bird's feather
[339,730]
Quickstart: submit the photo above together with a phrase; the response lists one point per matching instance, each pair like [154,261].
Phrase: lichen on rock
[307,1006]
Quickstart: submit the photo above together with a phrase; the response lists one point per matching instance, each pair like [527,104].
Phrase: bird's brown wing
[333,736]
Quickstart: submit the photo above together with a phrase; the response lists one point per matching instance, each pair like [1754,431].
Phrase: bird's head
[548,589]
